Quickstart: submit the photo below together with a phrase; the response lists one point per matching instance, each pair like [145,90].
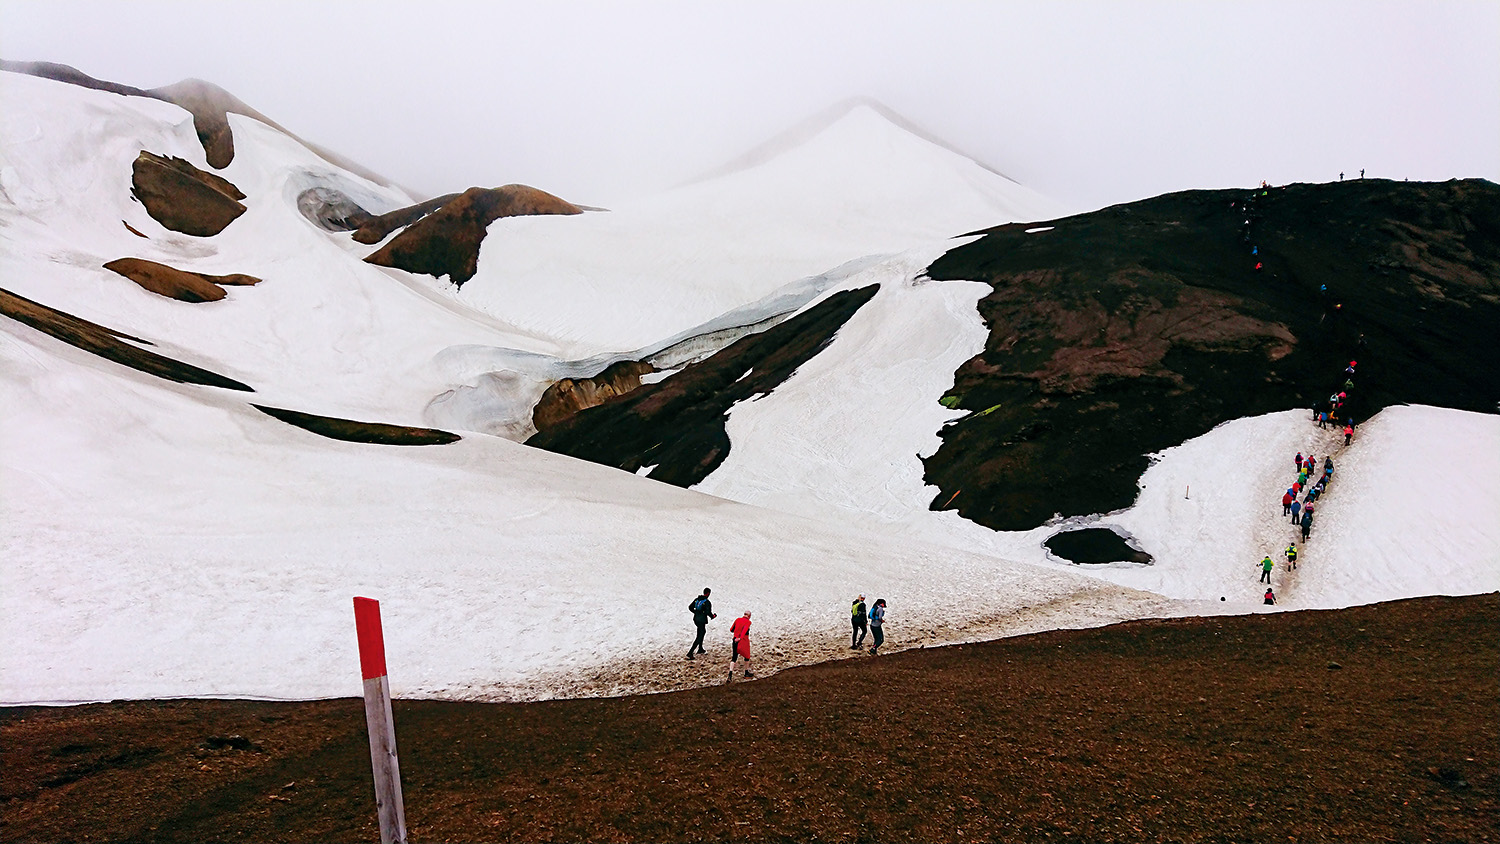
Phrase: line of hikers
[1301,510]
[864,618]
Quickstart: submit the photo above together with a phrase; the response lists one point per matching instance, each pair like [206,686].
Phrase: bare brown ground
[1377,723]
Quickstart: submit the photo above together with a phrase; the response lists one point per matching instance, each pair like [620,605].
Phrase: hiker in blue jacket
[1296,512]
[877,625]
[702,610]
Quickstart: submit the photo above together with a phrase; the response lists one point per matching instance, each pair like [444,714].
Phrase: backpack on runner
[696,604]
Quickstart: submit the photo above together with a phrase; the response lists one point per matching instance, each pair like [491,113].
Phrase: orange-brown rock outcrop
[177,284]
[570,395]
[446,242]
[183,198]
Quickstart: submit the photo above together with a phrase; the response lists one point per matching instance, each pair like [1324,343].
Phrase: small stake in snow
[379,721]
[1186,490]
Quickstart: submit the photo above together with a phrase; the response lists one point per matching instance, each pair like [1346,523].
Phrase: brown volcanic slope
[446,242]
[677,425]
[1131,329]
[108,343]
[377,228]
[1375,723]
[348,430]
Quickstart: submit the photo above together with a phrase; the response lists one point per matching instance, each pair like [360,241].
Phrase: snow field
[165,540]
[162,540]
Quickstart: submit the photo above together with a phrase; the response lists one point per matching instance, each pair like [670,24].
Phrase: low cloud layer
[1092,103]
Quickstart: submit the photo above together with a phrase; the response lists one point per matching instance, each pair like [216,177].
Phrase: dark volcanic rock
[376,229]
[183,198]
[570,395]
[1093,546]
[446,242]
[177,284]
[1127,330]
[678,424]
[107,343]
[377,433]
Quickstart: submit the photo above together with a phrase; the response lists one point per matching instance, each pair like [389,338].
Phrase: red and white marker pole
[381,725]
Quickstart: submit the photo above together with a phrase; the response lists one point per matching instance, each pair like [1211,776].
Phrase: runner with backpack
[702,610]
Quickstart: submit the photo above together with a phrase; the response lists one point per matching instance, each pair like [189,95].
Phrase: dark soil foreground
[1378,723]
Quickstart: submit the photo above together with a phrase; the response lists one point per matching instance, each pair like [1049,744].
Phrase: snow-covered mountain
[170,539]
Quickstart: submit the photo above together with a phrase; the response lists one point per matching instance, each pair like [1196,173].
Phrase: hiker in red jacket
[1348,433]
[1286,503]
[740,630]
[1298,461]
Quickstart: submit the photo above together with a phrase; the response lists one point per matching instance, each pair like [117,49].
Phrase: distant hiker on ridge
[702,610]
[740,648]
[857,617]
[1265,569]
[877,625]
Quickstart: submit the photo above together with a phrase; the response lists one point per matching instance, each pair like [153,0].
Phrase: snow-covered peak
[853,110]
[831,191]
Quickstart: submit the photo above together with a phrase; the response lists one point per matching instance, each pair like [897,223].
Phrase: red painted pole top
[371,639]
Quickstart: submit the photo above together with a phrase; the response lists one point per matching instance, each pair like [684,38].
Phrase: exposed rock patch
[570,395]
[1119,333]
[177,284]
[1092,546]
[107,343]
[446,242]
[677,425]
[376,229]
[183,198]
[376,433]
[331,210]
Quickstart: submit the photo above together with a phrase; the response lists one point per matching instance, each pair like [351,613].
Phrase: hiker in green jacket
[1265,570]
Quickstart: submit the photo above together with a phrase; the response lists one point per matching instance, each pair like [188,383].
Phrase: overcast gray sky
[1090,102]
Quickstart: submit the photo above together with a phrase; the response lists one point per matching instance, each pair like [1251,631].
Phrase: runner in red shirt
[740,629]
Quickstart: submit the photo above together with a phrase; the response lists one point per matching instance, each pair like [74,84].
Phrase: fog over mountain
[1091,103]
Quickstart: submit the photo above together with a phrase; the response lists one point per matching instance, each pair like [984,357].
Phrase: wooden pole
[381,724]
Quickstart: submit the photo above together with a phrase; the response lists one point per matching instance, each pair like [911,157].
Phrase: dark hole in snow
[1094,545]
